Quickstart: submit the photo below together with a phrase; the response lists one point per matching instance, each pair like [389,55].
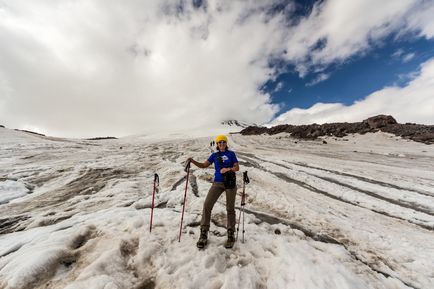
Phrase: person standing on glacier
[225,164]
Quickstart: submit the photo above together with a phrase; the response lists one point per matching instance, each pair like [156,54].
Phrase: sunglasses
[221,142]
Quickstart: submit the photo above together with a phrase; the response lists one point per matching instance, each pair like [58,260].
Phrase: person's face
[221,145]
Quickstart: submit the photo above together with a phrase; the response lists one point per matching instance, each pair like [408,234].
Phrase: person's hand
[189,160]
[224,170]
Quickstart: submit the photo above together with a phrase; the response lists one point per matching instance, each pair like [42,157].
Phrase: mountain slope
[350,214]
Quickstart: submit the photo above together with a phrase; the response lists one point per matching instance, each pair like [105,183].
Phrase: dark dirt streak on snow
[41,177]
[11,224]
[89,182]
[316,190]
[169,155]
[175,185]
[161,205]
[245,164]
[252,156]
[360,178]
[272,220]
[192,182]
[52,221]
[409,205]
[193,185]
[404,204]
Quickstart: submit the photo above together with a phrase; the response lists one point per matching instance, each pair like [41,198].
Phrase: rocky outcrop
[385,123]
[380,121]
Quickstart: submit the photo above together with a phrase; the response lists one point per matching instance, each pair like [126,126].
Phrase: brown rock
[380,121]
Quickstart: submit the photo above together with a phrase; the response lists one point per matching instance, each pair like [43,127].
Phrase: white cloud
[319,78]
[404,57]
[421,19]
[339,29]
[86,68]
[318,113]
[398,53]
[408,57]
[278,87]
[412,103]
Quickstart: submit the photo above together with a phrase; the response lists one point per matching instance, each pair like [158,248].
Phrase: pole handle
[246,177]
[187,166]
[156,180]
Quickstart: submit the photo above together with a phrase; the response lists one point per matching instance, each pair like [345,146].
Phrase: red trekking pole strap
[156,183]
[187,169]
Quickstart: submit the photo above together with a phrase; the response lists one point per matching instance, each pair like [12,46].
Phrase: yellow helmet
[221,137]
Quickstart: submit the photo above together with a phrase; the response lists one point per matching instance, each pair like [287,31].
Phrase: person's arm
[235,168]
[203,165]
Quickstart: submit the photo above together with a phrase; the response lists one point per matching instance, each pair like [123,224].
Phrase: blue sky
[383,65]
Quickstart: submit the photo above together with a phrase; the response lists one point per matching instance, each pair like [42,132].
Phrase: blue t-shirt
[229,159]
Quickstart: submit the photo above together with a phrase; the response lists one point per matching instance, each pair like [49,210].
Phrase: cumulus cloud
[411,103]
[86,68]
[93,67]
[339,29]
[420,19]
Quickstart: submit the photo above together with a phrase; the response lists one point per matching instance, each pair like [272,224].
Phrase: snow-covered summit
[236,123]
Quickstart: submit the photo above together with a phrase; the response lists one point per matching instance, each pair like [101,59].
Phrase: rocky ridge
[384,123]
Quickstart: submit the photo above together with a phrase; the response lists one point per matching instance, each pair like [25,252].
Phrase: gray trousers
[214,193]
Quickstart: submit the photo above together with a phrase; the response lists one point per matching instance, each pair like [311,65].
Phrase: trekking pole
[246,180]
[156,184]
[187,169]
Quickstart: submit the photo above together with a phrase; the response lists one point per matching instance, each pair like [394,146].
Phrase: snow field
[317,216]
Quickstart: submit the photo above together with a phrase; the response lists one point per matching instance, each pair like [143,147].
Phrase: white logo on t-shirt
[225,158]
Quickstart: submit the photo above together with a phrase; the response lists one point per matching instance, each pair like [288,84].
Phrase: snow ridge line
[269,219]
[375,182]
[409,205]
[316,190]
[360,178]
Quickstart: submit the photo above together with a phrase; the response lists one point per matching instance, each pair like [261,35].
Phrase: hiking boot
[231,239]
[203,239]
